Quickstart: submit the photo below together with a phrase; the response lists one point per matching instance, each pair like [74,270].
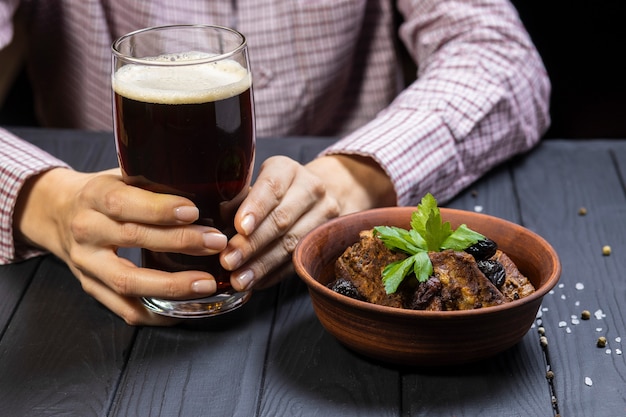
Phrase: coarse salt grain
[575,321]
[580,286]
[608,351]
[568,330]
[618,339]
[618,351]
[599,314]
[561,285]
[478,209]
[598,329]
[588,381]
[562,324]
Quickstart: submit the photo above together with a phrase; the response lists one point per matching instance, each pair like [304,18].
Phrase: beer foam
[181,84]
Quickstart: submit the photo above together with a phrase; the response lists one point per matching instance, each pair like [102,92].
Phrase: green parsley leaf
[395,272]
[428,233]
[462,238]
[396,238]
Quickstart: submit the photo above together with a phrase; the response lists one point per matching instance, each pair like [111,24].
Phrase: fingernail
[186,213]
[204,286]
[247,224]
[245,278]
[233,259]
[214,240]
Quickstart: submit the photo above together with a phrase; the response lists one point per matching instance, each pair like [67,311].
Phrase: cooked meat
[515,285]
[427,296]
[363,264]
[464,286]
[456,283]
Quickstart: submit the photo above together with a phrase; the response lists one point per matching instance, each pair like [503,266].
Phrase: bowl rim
[315,285]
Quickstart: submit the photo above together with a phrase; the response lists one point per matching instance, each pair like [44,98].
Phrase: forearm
[39,208]
[481,96]
[19,161]
[359,181]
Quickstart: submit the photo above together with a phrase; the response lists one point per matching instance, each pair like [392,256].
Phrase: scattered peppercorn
[606,250]
[543,341]
[541,330]
[585,315]
[550,375]
[582,211]
[601,342]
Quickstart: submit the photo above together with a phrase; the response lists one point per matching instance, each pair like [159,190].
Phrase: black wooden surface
[61,353]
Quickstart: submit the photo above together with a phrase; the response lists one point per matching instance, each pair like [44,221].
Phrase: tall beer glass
[184,124]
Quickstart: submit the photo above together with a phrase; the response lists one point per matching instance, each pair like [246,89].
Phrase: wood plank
[84,151]
[484,388]
[309,373]
[325,373]
[14,282]
[208,367]
[62,353]
[197,368]
[559,179]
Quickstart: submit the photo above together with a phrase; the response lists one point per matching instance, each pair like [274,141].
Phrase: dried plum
[483,249]
[493,270]
[347,288]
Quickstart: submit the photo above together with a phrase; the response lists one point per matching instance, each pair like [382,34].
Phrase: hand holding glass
[184,124]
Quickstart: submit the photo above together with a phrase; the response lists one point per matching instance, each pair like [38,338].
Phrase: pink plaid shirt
[324,67]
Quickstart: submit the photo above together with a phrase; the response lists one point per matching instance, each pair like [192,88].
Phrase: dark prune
[493,270]
[483,249]
[347,288]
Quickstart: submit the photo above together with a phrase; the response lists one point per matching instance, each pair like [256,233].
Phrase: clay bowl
[424,338]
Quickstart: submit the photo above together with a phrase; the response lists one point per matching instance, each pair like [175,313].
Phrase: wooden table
[61,353]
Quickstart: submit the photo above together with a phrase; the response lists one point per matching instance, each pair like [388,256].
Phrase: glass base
[197,308]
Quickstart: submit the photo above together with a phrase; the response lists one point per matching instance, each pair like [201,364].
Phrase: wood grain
[61,353]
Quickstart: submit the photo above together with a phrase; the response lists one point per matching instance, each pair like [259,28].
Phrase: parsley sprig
[428,233]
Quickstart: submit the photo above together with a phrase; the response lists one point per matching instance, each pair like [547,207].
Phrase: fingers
[108,214]
[284,204]
[261,270]
[125,278]
[130,309]
[94,228]
[112,213]
[109,195]
[118,285]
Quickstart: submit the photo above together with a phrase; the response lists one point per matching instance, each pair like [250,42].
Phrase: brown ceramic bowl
[424,338]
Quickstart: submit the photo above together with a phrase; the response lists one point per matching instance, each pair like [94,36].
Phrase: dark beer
[192,140]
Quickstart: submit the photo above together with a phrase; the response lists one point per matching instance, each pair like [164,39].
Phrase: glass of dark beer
[184,124]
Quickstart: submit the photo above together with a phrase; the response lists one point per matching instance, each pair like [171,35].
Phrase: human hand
[84,218]
[288,200]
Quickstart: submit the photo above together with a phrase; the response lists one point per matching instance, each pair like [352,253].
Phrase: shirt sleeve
[7,10]
[19,160]
[481,96]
